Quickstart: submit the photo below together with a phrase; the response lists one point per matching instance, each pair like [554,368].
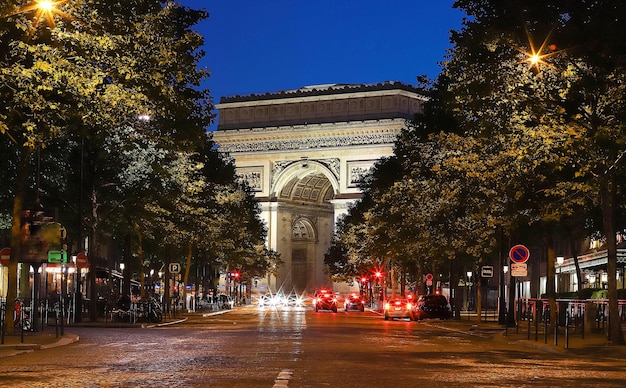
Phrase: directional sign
[486,271]
[174,268]
[519,254]
[57,257]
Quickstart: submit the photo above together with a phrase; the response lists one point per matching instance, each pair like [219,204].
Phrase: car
[265,300]
[354,302]
[398,308]
[324,300]
[225,301]
[432,306]
[295,300]
[272,300]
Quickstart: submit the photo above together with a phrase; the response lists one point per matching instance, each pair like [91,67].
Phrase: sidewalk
[47,339]
[594,344]
[13,344]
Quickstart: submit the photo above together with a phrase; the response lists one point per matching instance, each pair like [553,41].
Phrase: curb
[29,347]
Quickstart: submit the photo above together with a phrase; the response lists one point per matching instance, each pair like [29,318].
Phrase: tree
[542,82]
[90,69]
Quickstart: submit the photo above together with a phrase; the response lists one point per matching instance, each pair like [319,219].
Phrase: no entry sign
[519,254]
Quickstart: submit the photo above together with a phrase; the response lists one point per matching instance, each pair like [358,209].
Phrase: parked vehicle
[21,317]
[398,308]
[225,301]
[432,306]
[149,310]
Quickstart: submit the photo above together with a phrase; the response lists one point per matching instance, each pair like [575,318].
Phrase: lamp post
[559,263]
[503,304]
[469,292]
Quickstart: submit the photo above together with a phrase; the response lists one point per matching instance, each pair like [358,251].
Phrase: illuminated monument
[303,152]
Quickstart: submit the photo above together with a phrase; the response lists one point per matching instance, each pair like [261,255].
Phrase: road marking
[282,380]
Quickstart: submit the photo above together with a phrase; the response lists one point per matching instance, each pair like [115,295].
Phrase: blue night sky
[257,46]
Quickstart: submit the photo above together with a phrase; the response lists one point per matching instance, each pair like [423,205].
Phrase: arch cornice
[311,136]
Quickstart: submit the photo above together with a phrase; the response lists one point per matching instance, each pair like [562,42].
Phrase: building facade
[304,152]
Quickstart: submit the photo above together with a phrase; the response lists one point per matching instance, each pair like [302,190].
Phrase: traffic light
[236,275]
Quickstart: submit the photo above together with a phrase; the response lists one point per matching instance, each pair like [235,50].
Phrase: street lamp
[559,263]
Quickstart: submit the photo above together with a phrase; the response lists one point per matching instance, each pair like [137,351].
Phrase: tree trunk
[187,270]
[94,258]
[479,296]
[128,266]
[16,236]
[607,199]
[550,289]
[142,290]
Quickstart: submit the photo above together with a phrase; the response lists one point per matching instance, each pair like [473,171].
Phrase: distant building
[303,152]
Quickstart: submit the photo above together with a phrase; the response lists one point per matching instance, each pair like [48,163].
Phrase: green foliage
[504,145]
[109,96]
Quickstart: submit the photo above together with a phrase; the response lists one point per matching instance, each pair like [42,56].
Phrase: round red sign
[81,260]
[5,256]
[519,254]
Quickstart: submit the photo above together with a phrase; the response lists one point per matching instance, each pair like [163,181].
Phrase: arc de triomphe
[303,152]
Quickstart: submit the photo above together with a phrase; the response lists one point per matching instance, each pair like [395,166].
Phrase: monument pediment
[317,105]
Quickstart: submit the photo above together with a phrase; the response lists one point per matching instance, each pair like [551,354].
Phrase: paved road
[252,348]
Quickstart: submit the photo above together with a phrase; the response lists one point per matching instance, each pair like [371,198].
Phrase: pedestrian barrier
[573,316]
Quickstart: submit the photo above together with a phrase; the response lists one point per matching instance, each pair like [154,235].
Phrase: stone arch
[305,180]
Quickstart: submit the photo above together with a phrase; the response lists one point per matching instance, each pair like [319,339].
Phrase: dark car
[398,308]
[432,306]
[354,302]
[325,300]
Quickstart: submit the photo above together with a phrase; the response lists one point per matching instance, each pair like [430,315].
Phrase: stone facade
[304,152]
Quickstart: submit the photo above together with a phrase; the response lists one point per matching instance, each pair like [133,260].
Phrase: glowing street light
[44,9]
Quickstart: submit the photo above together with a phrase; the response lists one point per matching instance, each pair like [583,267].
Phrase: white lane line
[282,380]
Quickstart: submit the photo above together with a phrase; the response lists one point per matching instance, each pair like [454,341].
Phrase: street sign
[519,254]
[519,269]
[174,268]
[81,260]
[57,257]
[486,271]
[5,256]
